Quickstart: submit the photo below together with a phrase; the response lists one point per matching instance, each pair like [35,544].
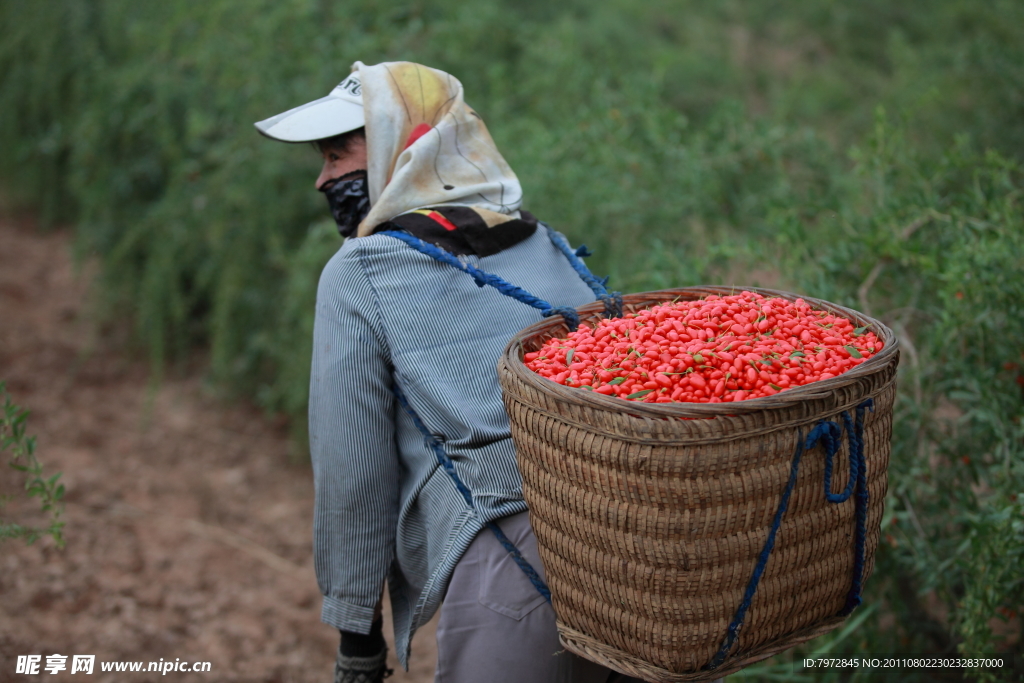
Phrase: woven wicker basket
[650,526]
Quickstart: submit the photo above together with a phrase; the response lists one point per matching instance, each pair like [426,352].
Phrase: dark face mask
[349,200]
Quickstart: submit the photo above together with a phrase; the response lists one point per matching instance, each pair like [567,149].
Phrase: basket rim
[511,359]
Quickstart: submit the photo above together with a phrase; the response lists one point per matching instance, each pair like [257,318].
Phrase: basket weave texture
[650,526]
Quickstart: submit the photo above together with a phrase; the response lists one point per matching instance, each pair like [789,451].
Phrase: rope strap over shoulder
[572,319]
[612,301]
[829,435]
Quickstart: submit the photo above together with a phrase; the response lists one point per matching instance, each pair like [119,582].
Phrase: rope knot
[612,304]
[830,434]
[572,318]
[583,252]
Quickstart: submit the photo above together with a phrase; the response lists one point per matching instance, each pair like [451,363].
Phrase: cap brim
[316,120]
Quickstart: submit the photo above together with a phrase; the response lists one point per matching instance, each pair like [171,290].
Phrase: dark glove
[362,658]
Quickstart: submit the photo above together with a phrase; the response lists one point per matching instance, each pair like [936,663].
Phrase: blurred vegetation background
[867,153]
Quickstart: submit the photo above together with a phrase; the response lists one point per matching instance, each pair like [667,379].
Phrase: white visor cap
[339,112]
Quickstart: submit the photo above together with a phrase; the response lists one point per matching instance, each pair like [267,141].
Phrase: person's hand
[362,658]
[371,669]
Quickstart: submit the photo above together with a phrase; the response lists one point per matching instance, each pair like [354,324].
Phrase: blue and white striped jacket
[385,314]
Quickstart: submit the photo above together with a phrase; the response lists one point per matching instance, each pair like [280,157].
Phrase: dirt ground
[188,524]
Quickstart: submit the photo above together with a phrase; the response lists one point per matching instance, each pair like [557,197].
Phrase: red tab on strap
[445,223]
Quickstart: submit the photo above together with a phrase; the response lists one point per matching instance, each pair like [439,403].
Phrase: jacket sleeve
[352,443]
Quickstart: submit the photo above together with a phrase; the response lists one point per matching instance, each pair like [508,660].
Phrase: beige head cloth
[427,147]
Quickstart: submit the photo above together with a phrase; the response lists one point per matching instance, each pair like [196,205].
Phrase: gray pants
[495,626]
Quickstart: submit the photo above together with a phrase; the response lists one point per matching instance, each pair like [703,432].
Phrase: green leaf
[796,353]
[698,358]
[853,351]
[617,380]
[860,331]
[568,355]
[776,388]
[640,394]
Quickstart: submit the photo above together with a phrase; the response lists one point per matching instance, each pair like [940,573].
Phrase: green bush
[685,142]
[21,451]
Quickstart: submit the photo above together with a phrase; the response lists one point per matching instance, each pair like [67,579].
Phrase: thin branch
[913,516]
[908,343]
[865,287]
[912,226]
[905,234]
[238,542]
[213,533]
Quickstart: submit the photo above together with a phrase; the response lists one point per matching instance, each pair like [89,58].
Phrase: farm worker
[405,348]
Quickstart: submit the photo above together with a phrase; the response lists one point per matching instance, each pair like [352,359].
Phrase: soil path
[188,524]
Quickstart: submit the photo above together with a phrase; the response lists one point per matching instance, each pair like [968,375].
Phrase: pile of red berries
[712,350]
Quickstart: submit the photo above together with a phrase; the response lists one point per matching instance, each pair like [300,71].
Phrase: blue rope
[612,308]
[527,568]
[435,445]
[612,300]
[572,318]
[853,598]
[449,467]
[831,448]
[829,434]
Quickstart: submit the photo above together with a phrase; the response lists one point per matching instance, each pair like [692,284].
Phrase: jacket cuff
[346,616]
